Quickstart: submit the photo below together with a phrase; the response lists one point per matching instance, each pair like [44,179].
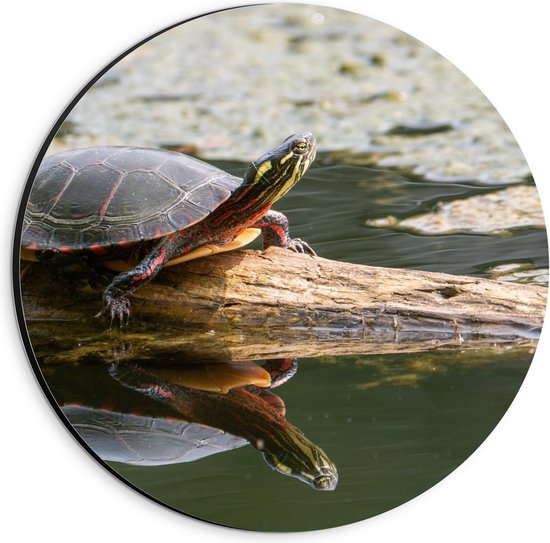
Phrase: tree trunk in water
[251,305]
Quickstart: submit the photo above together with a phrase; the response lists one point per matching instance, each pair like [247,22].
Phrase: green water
[393,425]
[389,444]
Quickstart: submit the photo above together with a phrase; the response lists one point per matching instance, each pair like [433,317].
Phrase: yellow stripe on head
[287,157]
[294,178]
[260,172]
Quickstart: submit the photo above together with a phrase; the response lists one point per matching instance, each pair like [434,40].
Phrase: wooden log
[252,305]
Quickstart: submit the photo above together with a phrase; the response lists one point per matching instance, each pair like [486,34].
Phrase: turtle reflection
[211,410]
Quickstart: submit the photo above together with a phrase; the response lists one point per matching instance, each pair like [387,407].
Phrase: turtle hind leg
[116,306]
[275,232]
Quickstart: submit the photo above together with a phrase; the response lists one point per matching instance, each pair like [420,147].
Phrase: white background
[51,489]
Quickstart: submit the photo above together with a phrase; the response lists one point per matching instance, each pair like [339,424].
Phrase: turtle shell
[147,441]
[105,196]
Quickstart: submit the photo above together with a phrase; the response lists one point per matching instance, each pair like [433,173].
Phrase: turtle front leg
[116,304]
[275,233]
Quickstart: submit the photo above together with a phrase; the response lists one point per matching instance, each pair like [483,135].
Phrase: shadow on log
[247,305]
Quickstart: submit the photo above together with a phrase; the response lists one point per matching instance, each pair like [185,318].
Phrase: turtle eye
[300,147]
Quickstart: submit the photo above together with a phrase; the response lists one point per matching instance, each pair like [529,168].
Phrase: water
[330,205]
[392,428]
[393,425]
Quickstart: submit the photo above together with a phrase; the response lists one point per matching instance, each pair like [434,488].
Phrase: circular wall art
[281,267]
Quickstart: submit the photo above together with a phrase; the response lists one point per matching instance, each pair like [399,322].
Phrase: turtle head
[276,172]
[302,460]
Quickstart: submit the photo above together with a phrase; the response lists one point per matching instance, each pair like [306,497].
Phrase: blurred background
[234,83]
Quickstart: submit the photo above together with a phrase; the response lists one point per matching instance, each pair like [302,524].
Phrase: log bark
[252,305]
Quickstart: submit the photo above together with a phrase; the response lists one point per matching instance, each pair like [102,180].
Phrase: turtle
[177,423]
[138,209]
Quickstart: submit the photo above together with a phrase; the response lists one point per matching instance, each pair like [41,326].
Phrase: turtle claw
[116,310]
[299,246]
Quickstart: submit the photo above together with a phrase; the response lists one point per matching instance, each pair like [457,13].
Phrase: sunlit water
[393,425]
